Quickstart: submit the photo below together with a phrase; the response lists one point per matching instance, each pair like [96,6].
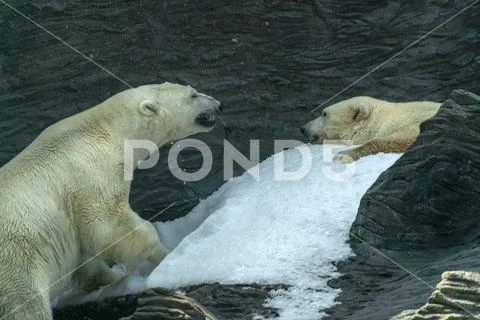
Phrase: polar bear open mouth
[206,119]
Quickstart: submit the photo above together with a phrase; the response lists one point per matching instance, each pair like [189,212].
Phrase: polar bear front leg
[390,144]
[93,274]
[134,240]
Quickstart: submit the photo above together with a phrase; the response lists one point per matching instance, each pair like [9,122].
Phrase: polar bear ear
[361,111]
[147,108]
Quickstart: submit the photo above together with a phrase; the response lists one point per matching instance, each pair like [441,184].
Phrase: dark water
[269,62]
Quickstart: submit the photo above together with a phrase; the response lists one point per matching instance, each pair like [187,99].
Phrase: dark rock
[464,97]
[419,219]
[235,302]
[215,301]
[429,197]
[152,304]
[163,304]
[108,309]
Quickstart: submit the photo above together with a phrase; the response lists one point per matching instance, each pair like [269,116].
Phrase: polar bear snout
[208,103]
[309,134]
[209,108]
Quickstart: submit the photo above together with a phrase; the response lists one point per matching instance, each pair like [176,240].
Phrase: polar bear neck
[388,117]
[127,123]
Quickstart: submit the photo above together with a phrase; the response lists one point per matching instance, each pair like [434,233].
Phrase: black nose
[310,137]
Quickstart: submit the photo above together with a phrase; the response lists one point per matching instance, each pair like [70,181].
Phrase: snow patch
[273,232]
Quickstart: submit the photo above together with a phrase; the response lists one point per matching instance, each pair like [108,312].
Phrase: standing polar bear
[376,125]
[64,199]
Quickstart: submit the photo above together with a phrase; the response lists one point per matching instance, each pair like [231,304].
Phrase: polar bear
[376,125]
[64,200]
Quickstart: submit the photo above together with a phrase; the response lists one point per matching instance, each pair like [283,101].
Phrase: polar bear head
[163,112]
[342,121]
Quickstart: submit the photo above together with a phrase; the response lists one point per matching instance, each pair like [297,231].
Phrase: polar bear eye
[324,113]
[195,95]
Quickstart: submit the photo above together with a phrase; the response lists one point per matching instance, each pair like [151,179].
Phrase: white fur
[63,199]
[377,125]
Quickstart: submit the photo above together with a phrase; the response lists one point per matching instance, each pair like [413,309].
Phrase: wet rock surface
[163,304]
[108,309]
[431,195]
[152,304]
[231,302]
[270,63]
[204,302]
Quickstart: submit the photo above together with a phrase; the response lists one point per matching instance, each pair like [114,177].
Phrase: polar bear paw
[344,157]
